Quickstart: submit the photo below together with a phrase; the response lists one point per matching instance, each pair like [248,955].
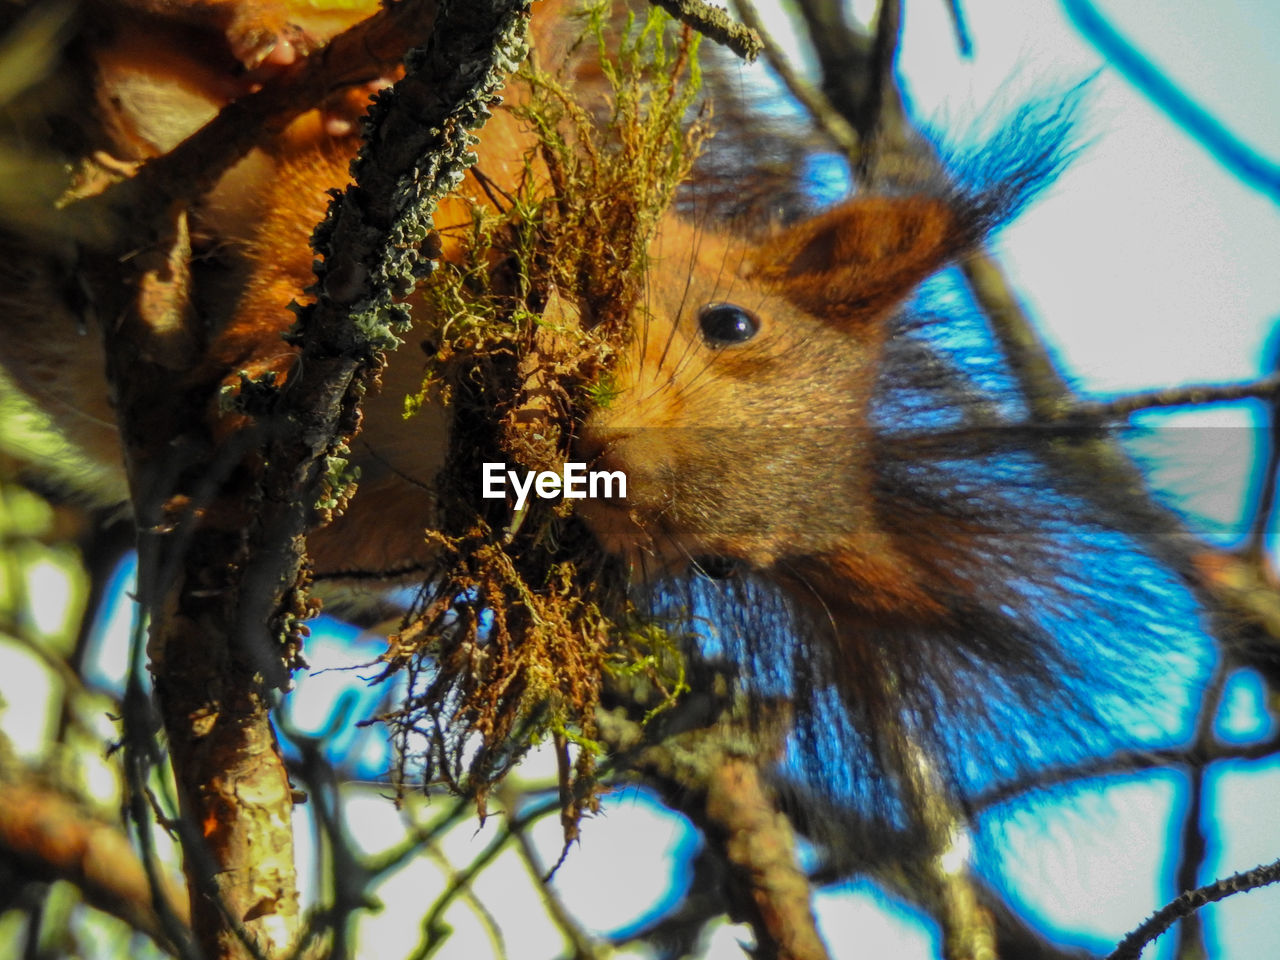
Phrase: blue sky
[1145,265]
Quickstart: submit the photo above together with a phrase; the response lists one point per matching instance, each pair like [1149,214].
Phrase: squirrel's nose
[597,447]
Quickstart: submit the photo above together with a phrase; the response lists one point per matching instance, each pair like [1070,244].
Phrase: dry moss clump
[523,617]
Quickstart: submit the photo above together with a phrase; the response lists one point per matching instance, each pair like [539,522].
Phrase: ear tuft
[864,256]
[860,259]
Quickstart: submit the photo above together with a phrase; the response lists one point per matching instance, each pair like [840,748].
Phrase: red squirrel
[940,583]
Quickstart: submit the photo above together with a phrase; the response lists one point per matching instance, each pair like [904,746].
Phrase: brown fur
[764,452]
[694,426]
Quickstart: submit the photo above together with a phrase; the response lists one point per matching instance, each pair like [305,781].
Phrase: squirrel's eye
[715,568]
[726,323]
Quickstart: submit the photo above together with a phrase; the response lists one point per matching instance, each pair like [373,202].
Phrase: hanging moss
[523,617]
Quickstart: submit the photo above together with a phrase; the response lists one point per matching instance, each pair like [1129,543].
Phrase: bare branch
[1251,168]
[964,40]
[1195,394]
[52,836]
[1126,763]
[714,22]
[583,947]
[1194,844]
[819,107]
[1189,902]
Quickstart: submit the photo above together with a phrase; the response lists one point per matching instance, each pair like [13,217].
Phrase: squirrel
[766,412]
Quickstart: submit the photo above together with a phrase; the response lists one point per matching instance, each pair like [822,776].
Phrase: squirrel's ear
[860,258]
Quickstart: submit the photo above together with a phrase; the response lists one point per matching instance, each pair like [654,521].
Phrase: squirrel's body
[743,413]
[156,71]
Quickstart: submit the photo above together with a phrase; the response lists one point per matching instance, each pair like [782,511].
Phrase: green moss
[524,621]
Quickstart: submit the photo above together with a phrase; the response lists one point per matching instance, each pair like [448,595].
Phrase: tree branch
[1191,901]
[50,835]
[713,22]
[1247,165]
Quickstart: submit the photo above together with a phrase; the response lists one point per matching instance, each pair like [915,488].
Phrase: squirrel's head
[740,413]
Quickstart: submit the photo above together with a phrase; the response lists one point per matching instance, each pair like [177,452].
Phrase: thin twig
[1246,164]
[1127,762]
[714,22]
[583,947]
[434,930]
[1192,900]
[492,928]
[1194,844]
[1267,388]
[884,55]
[824,114]
[964,39]
[1255,545]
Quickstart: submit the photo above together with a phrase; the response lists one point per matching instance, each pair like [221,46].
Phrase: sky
[1145,265]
